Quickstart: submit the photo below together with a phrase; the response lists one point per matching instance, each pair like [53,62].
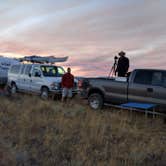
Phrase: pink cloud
[91,33]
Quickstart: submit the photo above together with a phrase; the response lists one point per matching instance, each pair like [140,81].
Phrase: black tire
[8,90]
[44,93]
[13,89]
[95,101]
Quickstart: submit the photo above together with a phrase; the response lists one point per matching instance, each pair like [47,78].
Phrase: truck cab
[148,85]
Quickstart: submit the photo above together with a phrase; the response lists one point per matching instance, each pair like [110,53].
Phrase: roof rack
[41,60]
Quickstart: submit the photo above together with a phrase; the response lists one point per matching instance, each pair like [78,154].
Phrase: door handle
[150,89]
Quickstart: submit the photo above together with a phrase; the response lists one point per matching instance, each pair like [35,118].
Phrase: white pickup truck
[42,79]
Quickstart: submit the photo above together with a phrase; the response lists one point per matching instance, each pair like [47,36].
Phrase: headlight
[55,85]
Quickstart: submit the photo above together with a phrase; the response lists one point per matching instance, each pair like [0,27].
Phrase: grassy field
[48,133]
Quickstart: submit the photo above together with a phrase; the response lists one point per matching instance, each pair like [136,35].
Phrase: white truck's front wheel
[44,93]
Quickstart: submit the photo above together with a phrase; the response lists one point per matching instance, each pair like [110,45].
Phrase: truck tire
[8,90]
[13,89]
[95,101]
[44,93]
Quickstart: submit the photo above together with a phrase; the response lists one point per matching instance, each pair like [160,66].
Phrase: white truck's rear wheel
[13,89]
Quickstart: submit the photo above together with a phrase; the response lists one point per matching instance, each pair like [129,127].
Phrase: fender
[95,90]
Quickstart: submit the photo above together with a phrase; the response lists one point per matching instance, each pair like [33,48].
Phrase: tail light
[80,83]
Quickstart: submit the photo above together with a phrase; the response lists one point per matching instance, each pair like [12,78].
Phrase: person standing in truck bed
[123,65]
[67,84]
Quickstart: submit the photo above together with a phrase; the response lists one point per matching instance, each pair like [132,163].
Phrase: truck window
[143,77]
[61,71]
[157,78]
[28,69]
[15,69]
[22,69]
[49,71]
[36,72]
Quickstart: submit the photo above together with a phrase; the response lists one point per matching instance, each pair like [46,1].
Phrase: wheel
[8,90]
[95,101]
[13,89]
[44,93]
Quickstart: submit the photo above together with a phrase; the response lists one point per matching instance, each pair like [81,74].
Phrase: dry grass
[36,132]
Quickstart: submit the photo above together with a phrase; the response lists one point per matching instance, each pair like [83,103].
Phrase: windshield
[52,71]
[61,71]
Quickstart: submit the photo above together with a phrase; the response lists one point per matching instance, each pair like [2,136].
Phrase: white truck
[43,79]
[5,64]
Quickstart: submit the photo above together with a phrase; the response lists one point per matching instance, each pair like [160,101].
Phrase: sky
[90,32]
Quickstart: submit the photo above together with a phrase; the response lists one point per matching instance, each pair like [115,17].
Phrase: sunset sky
[90,32]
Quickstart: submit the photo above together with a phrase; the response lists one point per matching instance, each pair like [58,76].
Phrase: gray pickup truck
[142,85]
